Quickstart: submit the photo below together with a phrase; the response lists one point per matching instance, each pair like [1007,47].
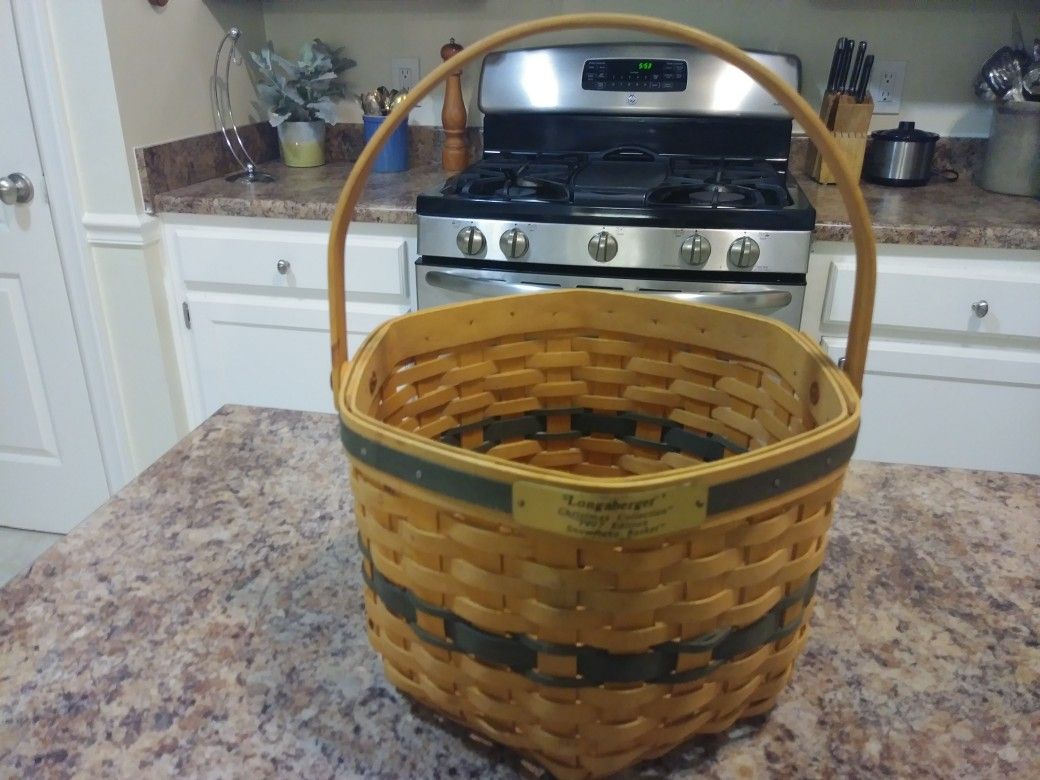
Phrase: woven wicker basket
[591,521]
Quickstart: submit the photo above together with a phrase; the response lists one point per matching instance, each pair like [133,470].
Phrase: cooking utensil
[846,62]
[398,98]
[857,68]
[384,99]
[1017,39]
[864,78]
[1031,82]
[1002,73]
[370,103]
[832,75]
[901,157]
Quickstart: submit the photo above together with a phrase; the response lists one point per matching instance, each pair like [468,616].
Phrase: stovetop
[627,185]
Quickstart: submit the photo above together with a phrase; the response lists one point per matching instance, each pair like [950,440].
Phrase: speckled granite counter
[207,622]
[943,213]
[306,193]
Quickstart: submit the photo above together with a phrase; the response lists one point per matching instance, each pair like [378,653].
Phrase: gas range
[596,173]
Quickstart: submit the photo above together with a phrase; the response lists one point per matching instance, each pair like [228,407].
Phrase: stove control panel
[689,250]
[695,250]
[634,75]
[470,241]
[743,253]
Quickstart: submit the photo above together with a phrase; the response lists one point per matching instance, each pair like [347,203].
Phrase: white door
[51,472]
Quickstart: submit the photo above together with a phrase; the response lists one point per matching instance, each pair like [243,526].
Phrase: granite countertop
[208,621]
[942,213]
[306,193]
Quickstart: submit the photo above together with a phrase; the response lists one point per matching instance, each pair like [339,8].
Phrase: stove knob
[513,243]
[470,241]
[602,247]
[695,250]
[743,253]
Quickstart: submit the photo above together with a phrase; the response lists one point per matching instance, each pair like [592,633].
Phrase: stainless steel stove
[644,167]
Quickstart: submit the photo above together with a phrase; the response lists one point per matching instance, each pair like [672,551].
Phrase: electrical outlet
[886,85]
[405,72]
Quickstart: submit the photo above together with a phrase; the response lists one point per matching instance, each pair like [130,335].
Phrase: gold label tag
[609,516]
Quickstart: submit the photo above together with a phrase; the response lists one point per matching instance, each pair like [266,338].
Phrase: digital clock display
[634,75]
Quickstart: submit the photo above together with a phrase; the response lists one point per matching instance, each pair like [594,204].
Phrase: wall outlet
[886,85]
[405,72]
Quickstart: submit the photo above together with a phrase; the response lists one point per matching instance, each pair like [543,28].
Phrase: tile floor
[20,548]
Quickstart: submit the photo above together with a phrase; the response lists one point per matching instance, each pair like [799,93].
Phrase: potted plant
[299,98]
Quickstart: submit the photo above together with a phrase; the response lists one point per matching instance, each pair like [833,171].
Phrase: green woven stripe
[519,652]
[499,496]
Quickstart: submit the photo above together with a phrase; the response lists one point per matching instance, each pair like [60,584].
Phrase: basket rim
[836,430]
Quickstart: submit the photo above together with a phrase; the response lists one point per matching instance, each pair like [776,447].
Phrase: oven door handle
[470,285]
[755,300]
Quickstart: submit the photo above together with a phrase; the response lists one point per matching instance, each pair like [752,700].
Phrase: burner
[721,193]
[531,179]
[707,182]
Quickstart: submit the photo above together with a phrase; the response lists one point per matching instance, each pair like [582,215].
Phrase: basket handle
[848,185]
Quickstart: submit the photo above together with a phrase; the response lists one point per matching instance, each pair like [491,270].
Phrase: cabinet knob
[981,308]
[841,362]
[282,266]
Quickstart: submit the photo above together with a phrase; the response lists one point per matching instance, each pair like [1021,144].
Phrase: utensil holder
[393,157]
[1011,163]
[849,123]
[853,148]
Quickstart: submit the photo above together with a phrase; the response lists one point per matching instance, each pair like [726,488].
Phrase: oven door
[437,285]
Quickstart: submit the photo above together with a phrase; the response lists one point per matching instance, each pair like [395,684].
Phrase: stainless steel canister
[1012,160]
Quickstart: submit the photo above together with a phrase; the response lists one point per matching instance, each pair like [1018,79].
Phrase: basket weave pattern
[626,598]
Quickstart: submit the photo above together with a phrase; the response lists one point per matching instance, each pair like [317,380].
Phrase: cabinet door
[941,405]
[270,350]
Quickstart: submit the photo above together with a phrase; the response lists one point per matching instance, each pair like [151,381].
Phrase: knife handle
[857,68]
[864,78]
[832,74]
[846,61]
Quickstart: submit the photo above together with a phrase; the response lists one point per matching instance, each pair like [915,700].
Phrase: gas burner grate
[532,179]
[714,182]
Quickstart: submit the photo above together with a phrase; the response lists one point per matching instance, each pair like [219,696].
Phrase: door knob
[15,188]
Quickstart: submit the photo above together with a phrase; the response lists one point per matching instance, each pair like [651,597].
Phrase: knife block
[849,123]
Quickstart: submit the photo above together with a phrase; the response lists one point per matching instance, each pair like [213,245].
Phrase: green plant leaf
[325,109]
[302,90]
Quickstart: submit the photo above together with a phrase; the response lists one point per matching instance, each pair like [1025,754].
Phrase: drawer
[955,407]
[376,265]
[938,295]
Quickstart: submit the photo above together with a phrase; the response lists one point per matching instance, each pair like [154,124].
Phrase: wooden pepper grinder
[455,154]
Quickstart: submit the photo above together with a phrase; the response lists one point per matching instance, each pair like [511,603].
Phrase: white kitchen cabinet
[249,301]
[943,386]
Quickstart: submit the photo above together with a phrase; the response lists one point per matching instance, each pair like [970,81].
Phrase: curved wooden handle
[848,184]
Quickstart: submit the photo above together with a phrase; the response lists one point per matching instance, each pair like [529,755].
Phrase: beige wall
[944,41]
[162,60]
